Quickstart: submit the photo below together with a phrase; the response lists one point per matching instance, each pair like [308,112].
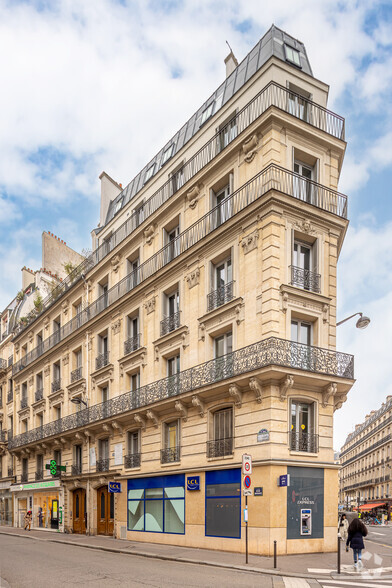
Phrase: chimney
[109,190]
[231,63]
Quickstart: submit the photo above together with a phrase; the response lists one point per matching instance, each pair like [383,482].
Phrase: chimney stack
[231,63]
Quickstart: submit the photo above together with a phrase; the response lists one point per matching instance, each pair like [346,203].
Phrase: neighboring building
[365,459]
[36,287]
[202,327]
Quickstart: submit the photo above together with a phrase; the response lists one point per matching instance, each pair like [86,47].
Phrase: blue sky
[101,85]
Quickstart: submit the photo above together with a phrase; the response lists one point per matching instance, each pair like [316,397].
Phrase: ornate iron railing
[3,364]
[24,477]
[56,385]
[76,374]
[102,465]
[10,435]
[307,442]
[131,344]
[306,279]
[39,475]
[273,95]
[132,460]
[220,296]
[10,396]
[272,177]
[220,447]
[170,454]
[268,352]
[170,323]
[39,394]
[23,402]
[369,449]
[10,471]
[2,436]
[10,360]
[76,469]
[102,360]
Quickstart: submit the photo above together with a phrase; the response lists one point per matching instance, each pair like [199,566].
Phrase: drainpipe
[88,439]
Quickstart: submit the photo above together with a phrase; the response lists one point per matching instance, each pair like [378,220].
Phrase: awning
[369,506]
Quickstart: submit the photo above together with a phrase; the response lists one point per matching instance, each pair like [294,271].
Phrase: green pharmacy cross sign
[54,468]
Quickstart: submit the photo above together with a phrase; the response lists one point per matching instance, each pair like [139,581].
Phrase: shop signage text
[284,480]
[114,487]
[258,491]
[193,483]
[35,486]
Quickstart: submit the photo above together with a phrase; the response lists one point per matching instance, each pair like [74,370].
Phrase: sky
[103,84]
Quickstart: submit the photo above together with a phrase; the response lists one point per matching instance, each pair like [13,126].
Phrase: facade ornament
[196,401]
[202,331]
[339,401]
[17,347]
[249,148]
[64,306]
[329,391]
[117,428]
[116,326]
[31,379]
[31,337]
[285,386]
[46,323]
[193,195]
[181,409]
[239,313]
[285,301]
[150,414]
[140,421]
[90,436]
[249,242]
[66,358]
[305,226]
[149,305]
[17,388]
[149,234]
[185,340]
[255,385]
[115,262]
[193,278]
[236,393]
[325,313]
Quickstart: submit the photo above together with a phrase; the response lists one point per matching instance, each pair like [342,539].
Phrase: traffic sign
[247,492]
[246,464]
[247,482]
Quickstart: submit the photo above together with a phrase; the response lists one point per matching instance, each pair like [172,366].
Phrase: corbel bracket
[285,386]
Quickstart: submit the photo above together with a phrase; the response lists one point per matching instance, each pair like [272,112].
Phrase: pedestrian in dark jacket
[356,532]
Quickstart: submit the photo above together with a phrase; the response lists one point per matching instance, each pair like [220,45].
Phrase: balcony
[305,279]
[220,447]
[220,296]
[306,442]
[10,435]
[39,394]
[10,471]
[24,477]
[131,344]
[2,436]
[3,365]
[10,360]
[132,460]
[10,396]
[76,374]
[170,323]
[102,360]
[76,469]
[102,465]
[23,403]
[39,475]
[170,454]
[56,385]
[268,352]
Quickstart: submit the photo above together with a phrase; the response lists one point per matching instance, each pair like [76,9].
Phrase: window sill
[231,456]
[171,463]
[308,453]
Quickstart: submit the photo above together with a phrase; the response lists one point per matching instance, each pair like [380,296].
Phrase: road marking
[356,583]
[377,543]
[295,582]
[375,533]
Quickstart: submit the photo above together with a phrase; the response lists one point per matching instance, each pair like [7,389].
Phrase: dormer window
[205,115]
[292,55]
[118,206]
[149,173]
[167,154]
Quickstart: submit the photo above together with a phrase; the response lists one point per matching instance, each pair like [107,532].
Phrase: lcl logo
[193,483]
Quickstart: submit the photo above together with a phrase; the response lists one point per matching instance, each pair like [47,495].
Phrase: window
[57,412]
[78,309]
[172,243]
[103,452]
[171,322]
[292,55]
[134,381]
[177,178]
[167,154]
[39,339]
[222,284]
[171,442]
[303,189]
[227,133]
[25,469]
[132,459]
[206,114]
[57,456]
[133,336]
[302,427]
[139,213]
[133,273]
[56,384]
[173,373]
[23,401]
[222,442]
[222,204]
[103,299]
[157,504]
[56,331]
[40,467]
[223,347]
[223,503]
[40,419]
[298,102]
[149,173]
[304,266]
[103,350]
[301,332]
[78,460]
[118,205]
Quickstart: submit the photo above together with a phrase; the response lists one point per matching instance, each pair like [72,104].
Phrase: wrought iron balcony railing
[39,475]
[131,344]
[10,435]
[170,323]
[220,447]
[10,360]
[2,437]
[271,178]
[273,95]
[102,360]
[307,442]
[24,477]
[132,460]
[306,279]
[170,454]
[56,385]
[10,471]
[76,374]
[39,394]
[220,296]
[76,469]
[3,364]
[102,465]
[268,352]
[10,396]
[23,402]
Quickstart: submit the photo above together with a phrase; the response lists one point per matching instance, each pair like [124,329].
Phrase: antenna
[230,47]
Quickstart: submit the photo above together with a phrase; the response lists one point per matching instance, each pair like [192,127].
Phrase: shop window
[157,504]
[223,503]
[306,492]
[302,426]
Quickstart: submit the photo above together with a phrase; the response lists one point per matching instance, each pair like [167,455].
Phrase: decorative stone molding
[325,313]
[285,386]
[46,323]
[339,401]
[220,317]
[17,389]
[202,331]
[329,391]
[249,242]
[249,147]
[31,379]
[140,421]
[103,375]
[65,307]
[192,195]
[115,262]
[182,410]
[149,234]
[116,326]
[31,337]
[117,428]
[285,300]
[66,359]
[133,360]
[150,414]
[255,385]
[236,393]
[56,398]
[90,436]
[305,226]
[193,278]
[196,401]
[171,342]
[89,340]
[239,312]
[17,347]
[149,305]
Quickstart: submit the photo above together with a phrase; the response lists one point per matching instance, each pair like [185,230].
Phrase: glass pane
[305,334]
[136,515]
[177,492]
[154,515]
[77,506]
[174,516]
[223,517]
[103,509]
[219,347]
[136,494]
[233,489]
[154,492]
[229,343]
[111,505]
[294,331]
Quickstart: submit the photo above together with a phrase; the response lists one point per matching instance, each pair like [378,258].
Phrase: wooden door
[105,511]
[79,510]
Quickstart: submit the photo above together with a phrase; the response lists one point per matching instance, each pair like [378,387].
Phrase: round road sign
[247,466]
[247,482]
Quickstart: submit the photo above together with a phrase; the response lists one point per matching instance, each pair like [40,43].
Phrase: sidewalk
[377,560]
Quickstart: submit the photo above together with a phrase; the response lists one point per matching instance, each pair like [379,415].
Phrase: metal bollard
[274,554]
[339,539]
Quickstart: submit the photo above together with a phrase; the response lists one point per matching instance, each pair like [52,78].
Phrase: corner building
[202,327]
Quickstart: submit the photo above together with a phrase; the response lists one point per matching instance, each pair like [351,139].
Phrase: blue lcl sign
[193,483]
[114,487]
[284,480]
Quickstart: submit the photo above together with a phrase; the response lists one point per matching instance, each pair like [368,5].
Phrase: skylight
[149,173]
[167,153]
[292,55]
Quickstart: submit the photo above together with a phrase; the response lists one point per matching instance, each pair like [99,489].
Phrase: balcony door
[79,511]
[303,188]
[173,371]
[222,205]
[223,347]
[301,355]
[105,511]
[302,426]
[222,443]
[172,243]
[222,284]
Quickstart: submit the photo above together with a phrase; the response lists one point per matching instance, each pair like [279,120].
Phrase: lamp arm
[348,318]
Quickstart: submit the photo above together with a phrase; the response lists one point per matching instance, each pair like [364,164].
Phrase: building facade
[202,327]
[365,459]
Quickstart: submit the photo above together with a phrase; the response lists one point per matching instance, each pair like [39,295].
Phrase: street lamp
[78,400]
[362,322]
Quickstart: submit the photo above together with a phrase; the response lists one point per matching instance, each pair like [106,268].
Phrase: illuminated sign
[193,483]
[54,468]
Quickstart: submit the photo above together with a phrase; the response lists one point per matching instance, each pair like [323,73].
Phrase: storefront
[5,504]
[44,499]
